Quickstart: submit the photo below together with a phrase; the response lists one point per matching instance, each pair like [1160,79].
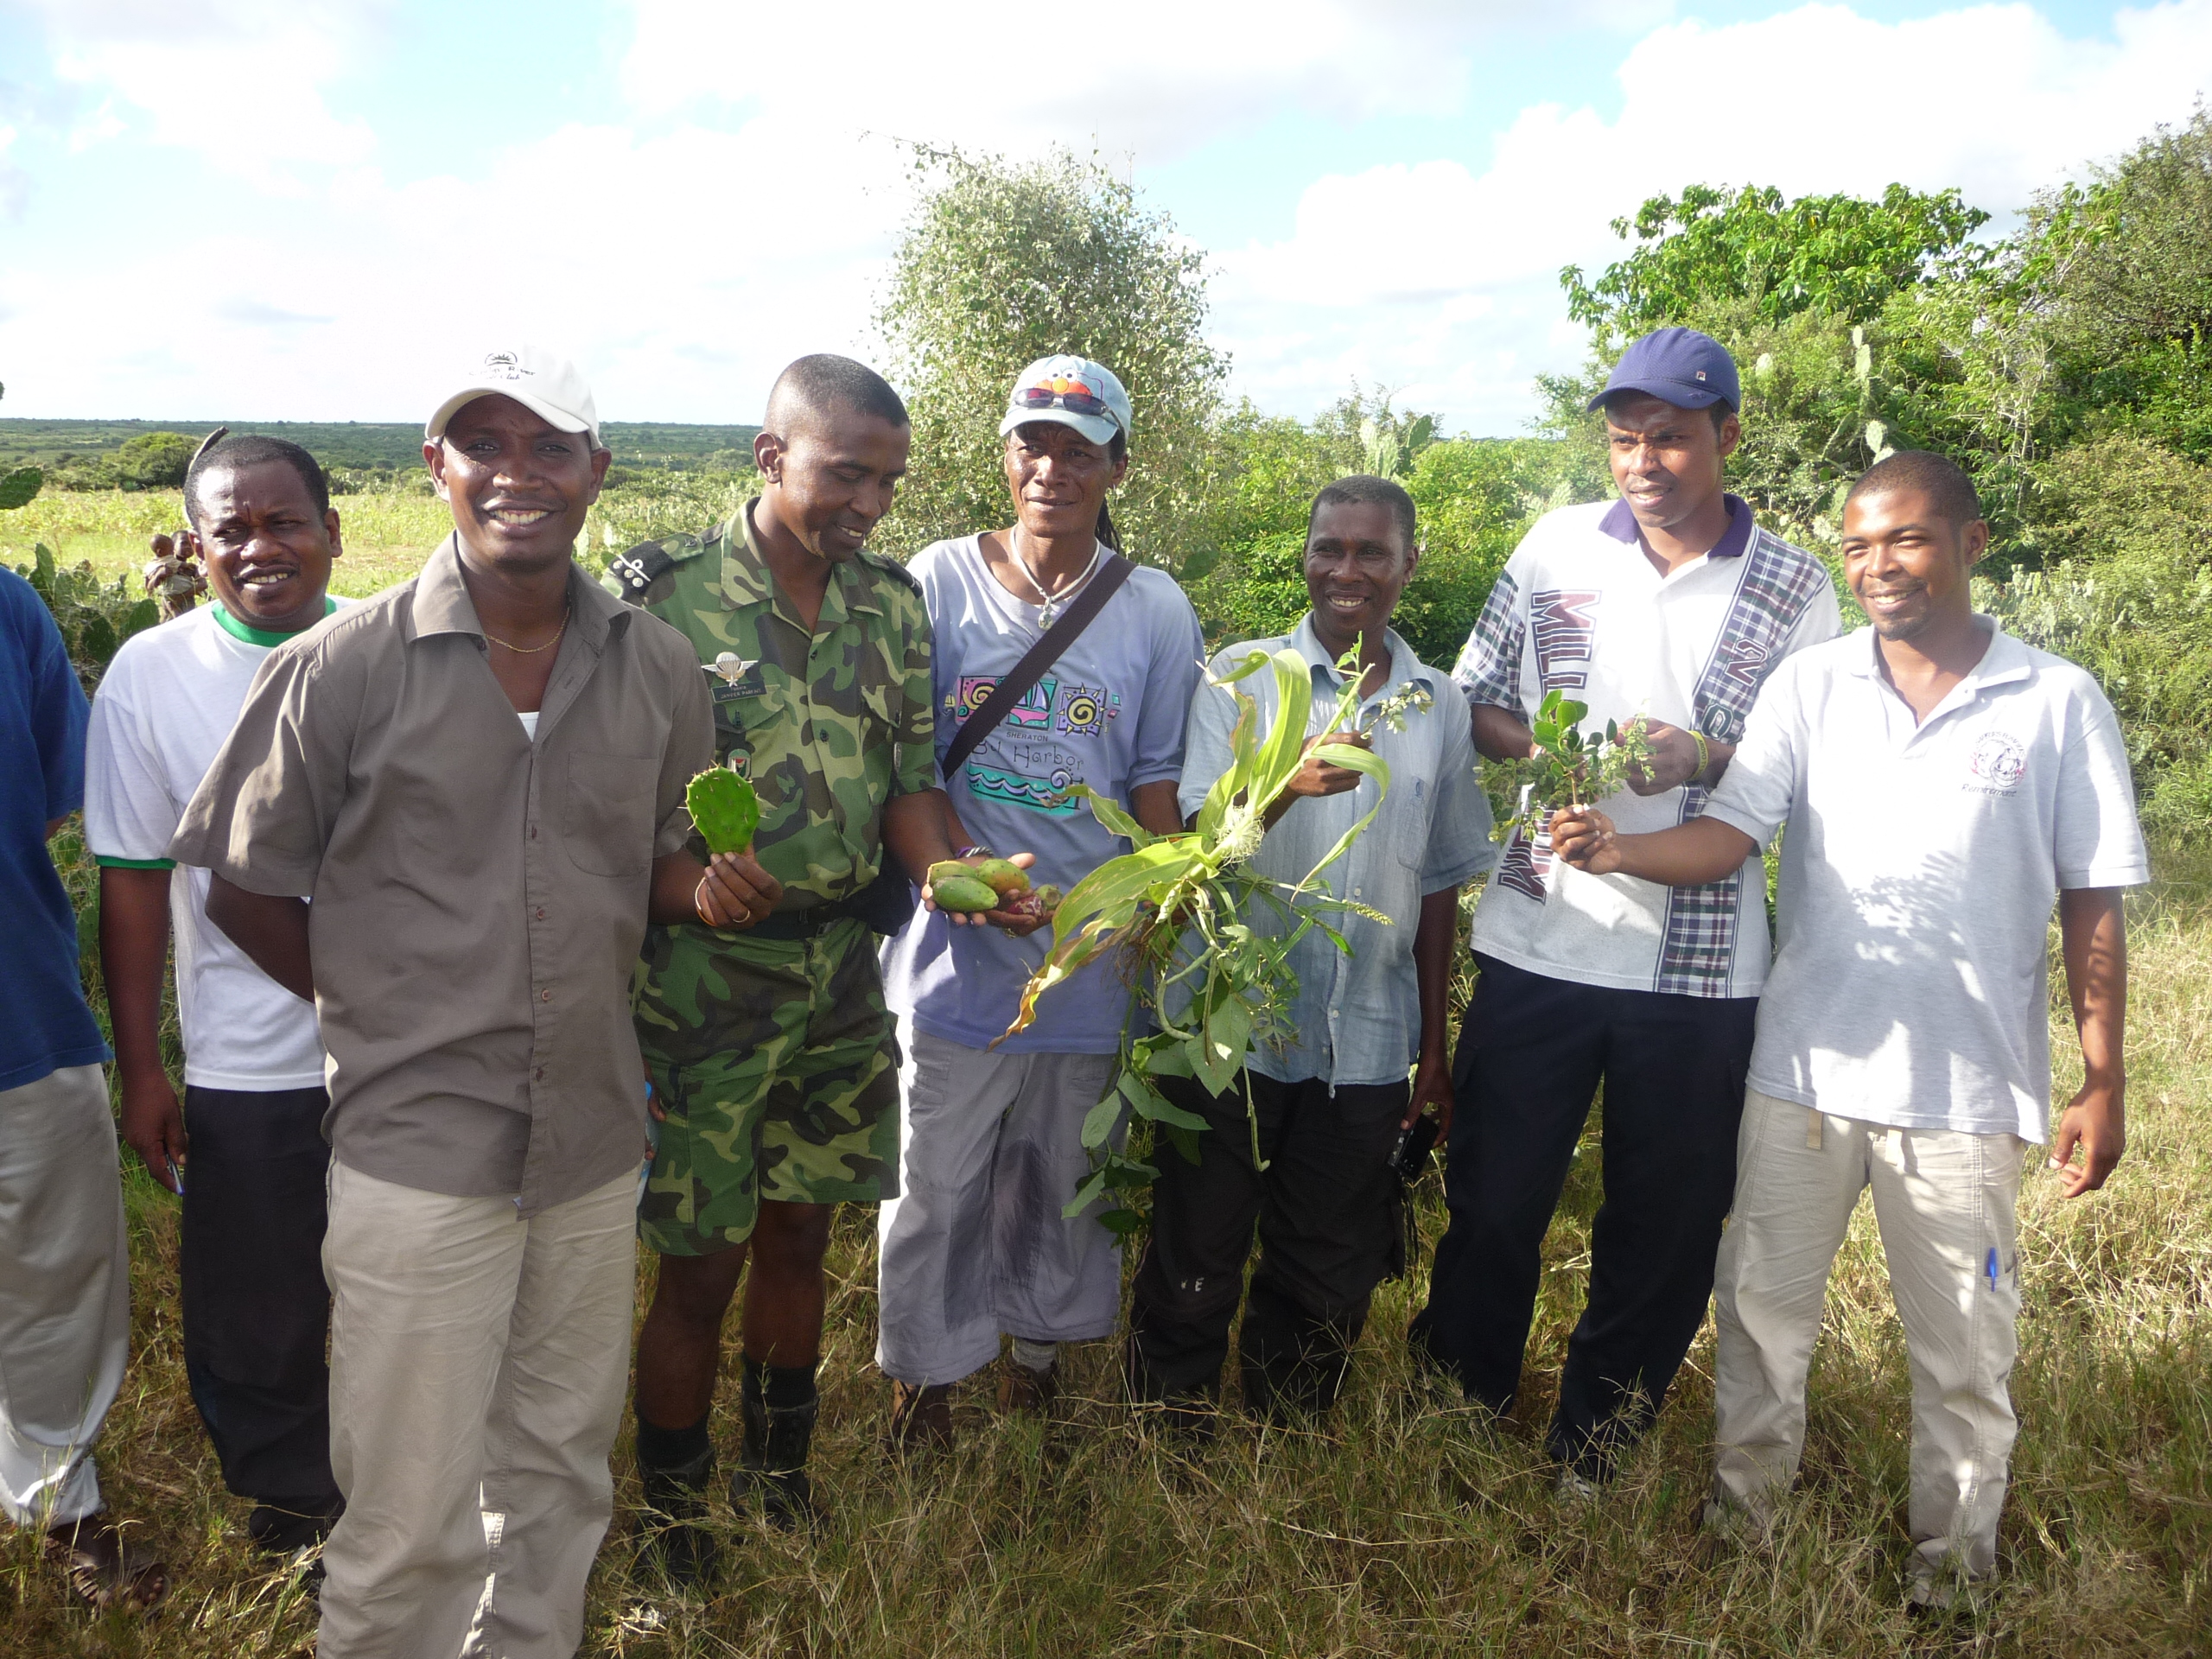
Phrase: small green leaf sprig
[1572,769]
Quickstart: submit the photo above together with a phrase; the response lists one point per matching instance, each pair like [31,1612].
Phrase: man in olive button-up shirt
[478,778]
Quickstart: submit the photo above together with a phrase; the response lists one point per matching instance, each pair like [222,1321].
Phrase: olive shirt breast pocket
[607,811]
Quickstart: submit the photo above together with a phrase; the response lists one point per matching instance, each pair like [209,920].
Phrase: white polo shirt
[1581,610]
[1912,984]
[164,707]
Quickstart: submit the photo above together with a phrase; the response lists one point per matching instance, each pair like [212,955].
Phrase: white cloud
[1993,99]
[1153,77]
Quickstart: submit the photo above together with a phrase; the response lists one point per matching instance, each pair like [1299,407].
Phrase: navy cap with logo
[1676,365]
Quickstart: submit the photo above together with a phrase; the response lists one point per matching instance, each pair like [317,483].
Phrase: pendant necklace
[1050,604]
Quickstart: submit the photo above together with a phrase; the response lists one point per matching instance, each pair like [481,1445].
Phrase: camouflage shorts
[776,1064]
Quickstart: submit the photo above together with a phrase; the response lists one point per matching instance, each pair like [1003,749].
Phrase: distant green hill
[361,443]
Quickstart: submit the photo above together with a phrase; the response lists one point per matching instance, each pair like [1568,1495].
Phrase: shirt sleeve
[1206,752]
[264,812]
[130,814]
[1489,670]
[2098,842]
[689,752]
[1179,652]
[58,711]
[1820,621]
[1755,791]
[1459,845]
[914,757]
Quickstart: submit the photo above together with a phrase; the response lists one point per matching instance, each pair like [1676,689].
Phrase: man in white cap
[478,777]
[976,1246]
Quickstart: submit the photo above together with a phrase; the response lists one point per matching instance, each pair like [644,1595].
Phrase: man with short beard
[256,1310]
[478,776]
[770,1049]
[1942,783]
[1668,605]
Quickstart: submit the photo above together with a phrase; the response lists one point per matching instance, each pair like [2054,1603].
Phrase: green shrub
[154,461]
[94,620]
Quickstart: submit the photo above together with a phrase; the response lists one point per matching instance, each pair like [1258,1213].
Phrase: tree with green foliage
[154,461]
[18,485]
[1007,262]
[1840,255]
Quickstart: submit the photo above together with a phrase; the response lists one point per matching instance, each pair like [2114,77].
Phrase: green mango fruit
[963,892]
[725,808]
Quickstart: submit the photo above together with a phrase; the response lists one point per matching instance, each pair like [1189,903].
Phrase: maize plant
[1178,911]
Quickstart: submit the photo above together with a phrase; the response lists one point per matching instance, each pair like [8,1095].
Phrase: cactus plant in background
[1179,912]
[724,809]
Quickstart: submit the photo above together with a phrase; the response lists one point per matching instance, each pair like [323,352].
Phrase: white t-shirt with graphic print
[1109,714]
[1912,984]
[1580,609]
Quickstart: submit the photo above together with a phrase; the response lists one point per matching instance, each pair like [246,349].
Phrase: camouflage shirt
[829,726]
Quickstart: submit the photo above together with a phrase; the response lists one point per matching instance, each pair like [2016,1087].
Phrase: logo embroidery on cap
[1700,373]
[1997,763]
[506,366]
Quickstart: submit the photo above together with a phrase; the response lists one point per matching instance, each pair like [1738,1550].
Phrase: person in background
[992,1150]
[478,776]
[1941,785]
[1331,1096]
[65,1273]
[768,1040]
[1671,605]
[257,1311]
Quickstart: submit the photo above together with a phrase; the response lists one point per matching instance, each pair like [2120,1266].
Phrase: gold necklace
[532,651]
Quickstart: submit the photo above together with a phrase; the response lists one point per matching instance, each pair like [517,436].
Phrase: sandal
[103,1571]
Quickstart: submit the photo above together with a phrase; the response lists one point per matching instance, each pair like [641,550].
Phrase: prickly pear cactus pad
[725,808]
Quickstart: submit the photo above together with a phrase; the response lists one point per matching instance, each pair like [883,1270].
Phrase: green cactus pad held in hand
[725,808]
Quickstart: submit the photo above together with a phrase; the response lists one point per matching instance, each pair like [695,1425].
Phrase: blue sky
[242,209]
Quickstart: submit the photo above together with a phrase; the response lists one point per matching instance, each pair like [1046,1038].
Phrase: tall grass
[1403,1525]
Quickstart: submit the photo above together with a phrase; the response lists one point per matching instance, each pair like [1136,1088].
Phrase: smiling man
[478,776]
[768,1042]
[1941,785]
[1332,1098]
[257,1311]
[1670,605]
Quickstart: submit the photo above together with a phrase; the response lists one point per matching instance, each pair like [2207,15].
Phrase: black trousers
[1532,1053]
[1327,1209]
[257,1311]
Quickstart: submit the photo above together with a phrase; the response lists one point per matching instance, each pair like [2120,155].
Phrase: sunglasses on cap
[1076,403]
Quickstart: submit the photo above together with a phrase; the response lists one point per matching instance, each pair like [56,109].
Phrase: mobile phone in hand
[1415,1142]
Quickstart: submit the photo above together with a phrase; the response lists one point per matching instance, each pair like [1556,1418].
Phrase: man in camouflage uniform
[768,1045]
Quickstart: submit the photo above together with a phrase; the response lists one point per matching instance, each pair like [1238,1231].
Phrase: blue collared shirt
[1357,1018]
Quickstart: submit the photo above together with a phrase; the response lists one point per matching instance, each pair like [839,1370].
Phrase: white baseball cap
[541,381]
[1073,391]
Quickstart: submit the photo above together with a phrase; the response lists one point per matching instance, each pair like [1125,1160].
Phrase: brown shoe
[105,1572]
[921,1418]
[1023,1390]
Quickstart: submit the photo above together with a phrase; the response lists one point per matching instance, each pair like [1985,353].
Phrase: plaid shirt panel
[1699,955]
[1489,669]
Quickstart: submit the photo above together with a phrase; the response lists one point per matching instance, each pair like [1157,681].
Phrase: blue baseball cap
[1676,365]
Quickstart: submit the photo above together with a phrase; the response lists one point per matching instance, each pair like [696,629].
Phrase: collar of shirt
[1620,524]
[443,605]
[2005,660]
[747,578]
[1307,644]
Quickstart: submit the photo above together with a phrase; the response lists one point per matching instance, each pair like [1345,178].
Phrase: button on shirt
[1579,609]
[1355,1018]
[1911,985]
[479,896]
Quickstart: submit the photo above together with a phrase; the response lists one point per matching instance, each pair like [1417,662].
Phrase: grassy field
[1401,1526]
[387,534]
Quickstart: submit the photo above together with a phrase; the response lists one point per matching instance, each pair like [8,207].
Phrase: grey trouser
[990,1150]
[1944,1202]
[64,1293]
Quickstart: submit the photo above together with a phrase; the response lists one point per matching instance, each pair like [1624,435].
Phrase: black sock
[781,1386]
[673,1448]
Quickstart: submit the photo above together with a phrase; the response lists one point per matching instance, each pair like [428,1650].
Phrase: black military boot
[674,1466]
[778,1404]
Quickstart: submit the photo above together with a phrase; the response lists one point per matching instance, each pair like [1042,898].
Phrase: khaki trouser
[1944,1203]
[477,1368]
[64,1293]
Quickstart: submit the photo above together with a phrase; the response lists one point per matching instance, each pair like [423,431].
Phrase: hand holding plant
[1584,838]
[1572,769]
